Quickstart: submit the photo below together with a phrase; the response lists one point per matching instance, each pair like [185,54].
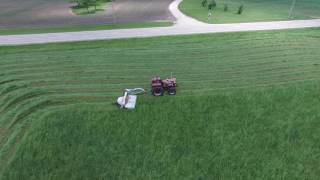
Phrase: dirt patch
[54,13]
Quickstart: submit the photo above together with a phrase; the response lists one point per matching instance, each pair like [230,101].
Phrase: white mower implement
[129,98]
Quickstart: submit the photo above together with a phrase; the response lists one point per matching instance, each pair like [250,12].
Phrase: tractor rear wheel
[157,91]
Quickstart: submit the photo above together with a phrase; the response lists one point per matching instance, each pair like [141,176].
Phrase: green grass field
[254,10]
[247,108]
[83,28]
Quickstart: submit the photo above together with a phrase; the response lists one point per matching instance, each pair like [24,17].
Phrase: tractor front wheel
[172,91]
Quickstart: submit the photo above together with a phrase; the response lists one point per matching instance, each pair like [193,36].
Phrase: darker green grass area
[254,10]
[264,134]
[83,28]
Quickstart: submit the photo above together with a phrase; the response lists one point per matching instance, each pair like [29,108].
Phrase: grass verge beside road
[83,28]
[254,10]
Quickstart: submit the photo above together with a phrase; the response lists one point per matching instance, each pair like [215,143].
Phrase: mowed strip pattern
[35,79]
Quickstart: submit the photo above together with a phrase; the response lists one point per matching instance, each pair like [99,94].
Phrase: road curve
[184,25]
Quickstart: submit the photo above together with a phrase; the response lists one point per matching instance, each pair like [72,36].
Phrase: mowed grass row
[35,79]
[254,10]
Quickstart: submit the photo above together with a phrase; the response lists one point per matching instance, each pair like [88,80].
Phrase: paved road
[184,25]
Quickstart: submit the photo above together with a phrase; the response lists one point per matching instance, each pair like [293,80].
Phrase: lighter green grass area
[83,28]
[254,10]
[100,7]
[247,108]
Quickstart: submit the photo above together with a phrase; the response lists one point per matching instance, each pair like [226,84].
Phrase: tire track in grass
[33,109]
[263,46]
[49,72]
[71,89]
[75,86]
[19,119]
[42,102]
[15,72]
[209,80]
[230,71]
[8,81]
[249,87]
[43,105]
[58,67]
[22,98]
[237,85]
[13,143]
[20,116]
[10,150]
[10,89]
[98,72]
[10,96]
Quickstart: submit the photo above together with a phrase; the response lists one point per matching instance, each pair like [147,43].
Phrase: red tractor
[158,86]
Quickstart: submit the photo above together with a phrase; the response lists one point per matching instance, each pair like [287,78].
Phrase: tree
[86,4]
[240,9]
[93,3]
[292,8]
[204,3]
[212,5]
[225,8]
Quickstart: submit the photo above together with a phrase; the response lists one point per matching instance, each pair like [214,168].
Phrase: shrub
[212,5]
[240,9]
[225,8]
[204,3]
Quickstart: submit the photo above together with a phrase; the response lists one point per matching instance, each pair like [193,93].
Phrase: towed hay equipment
[129,98]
